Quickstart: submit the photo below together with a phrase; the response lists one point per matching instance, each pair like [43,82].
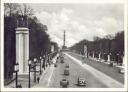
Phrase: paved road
[75,71]
[107,80]
[104,68]
[51,79]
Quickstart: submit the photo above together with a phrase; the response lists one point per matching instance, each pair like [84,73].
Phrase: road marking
[105,79]
[49,79]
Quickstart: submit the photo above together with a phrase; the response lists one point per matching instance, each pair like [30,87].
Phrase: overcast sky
[80,21]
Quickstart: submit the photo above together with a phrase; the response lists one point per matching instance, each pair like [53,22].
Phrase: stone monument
[22,48]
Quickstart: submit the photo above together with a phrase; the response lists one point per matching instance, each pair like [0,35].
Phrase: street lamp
[104,56]
[117,58]
[29,64]
[40,64]
[16,69]
[110,57]
[35,60]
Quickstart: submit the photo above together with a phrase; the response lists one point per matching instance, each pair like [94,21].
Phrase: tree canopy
[39,41]
[108,44]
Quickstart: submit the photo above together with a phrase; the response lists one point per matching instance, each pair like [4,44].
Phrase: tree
[25,10]
[108,44]
[38,38]
[11,9]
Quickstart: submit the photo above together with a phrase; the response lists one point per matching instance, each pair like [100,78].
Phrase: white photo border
[64,1]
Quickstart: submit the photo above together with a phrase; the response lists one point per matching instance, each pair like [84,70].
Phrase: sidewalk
[24,79]
[45,78]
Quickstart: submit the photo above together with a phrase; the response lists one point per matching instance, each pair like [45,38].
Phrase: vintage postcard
[64,45]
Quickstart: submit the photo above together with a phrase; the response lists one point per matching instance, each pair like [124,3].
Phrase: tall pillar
[93,55]
[108,58]
[99,56]
[22,49]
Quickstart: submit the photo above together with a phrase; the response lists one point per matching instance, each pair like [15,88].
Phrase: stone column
[99,56]
[108,58]
[93,55]
[22,49]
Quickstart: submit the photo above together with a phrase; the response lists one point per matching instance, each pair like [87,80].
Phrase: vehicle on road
[55,65]
[66,71]
[81,81]
[64,83]
[121,69]
[67,66]
[62,60]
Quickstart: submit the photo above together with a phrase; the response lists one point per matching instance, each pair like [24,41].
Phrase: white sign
[85,50]
[52,48]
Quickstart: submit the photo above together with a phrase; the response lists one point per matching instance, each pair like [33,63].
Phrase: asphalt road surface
[102,67]
[94,78]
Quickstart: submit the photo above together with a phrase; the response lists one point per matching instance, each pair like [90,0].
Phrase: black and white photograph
[63,45]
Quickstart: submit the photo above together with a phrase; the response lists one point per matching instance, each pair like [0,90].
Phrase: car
[55,65]
[64,83]
[121,69]
[62,59]
[81,81]
[67,66]
[66,71]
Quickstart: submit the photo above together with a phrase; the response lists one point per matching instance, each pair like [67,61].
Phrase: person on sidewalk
[43,65]
[38,79]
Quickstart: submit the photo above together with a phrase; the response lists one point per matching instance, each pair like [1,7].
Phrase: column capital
[22,29]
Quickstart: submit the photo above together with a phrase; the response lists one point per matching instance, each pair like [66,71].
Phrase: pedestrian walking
[38,79]
[57,60]
[44,60]
[44,65]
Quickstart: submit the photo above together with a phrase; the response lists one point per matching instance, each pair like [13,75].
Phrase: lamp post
[29,64]
[110,55]
[93,55]
[16,69]
[117,58]
[35,60]
[111,63]
[40,64]
[104,56]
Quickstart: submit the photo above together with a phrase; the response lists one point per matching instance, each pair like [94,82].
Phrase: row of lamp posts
[16,69]
[30,66]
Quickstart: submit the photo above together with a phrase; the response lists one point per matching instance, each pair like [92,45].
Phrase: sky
[80,21]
